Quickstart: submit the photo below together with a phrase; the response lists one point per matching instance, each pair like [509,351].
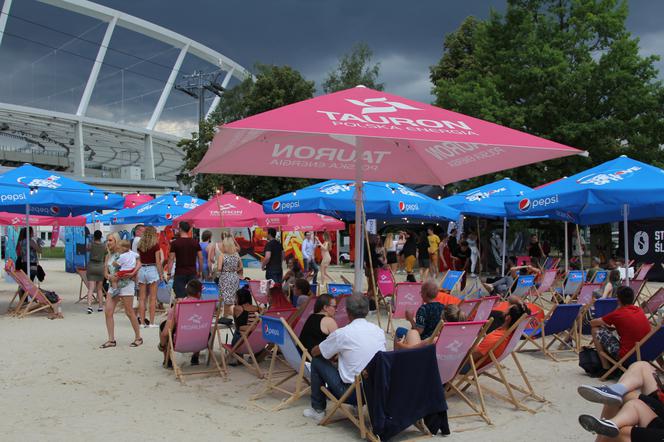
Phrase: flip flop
[108,344]
[137,342]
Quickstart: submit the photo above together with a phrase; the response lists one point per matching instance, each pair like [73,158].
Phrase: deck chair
[572,283]
[385,282]
[491,361]
[648,349]
[195,330]
[604,306]
[454,343]
[643,271]
[546,285]
[354,391]
[452,280]
[337,289]
[259,291]
[83,286]
[295,357]
[653,304]
[637,286]
[523,260]
[547,262]
[600,277]
[406,297]
[559,325]
[341,315]
[478,309]
[251,343]
[32,300]
[306,310]
[523,286]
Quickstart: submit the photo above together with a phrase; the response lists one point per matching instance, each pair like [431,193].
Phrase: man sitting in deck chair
[426,318]
[629,322]
[355,345]
[193,291]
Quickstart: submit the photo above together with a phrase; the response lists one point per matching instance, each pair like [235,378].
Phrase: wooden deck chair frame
[275,379]
[657,301]
[496,362]
[456,285]
[544,346]
[634,352]
[231,351]
[222,369]
[38,301]
[479,409]
[639,286]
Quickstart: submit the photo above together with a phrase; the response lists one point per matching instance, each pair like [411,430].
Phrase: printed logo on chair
[273,330]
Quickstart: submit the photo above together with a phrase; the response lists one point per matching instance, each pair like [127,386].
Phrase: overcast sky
[309,35]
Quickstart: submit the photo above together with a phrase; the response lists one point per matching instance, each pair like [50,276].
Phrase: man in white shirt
[355,345]
[308,254]
[138,232]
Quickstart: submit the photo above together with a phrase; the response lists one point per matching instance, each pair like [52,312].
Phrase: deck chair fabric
[259,291]
[337,289]
[573,283]
[397,399]
[637,286]
[341,315]
[647,349]
[558,326]
[406,297]
[523,285]
[469,306]
[385,282]
[600,277]
[452,280]
[548,279]
[306,310]
[653,304]
[603,307]
[32,300]
[276,331]
[643,271]
[523,260]
[195,330]
[587,293]
[484,308]
[251,343]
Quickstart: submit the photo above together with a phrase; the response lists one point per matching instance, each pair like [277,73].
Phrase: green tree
[566,70]
[274,86]
[355,68]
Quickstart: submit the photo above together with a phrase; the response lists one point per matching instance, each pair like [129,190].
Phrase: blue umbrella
[158,212]
[382,200]
[34,191]
[488,201]
[618,190]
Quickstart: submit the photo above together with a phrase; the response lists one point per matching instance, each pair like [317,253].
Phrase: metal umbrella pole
[566,250]
[504,245]
[28,239]
[625,228]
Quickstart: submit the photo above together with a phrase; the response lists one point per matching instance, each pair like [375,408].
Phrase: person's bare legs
[91,287]
[634,412]
[639,376]
[323,272]
[108,313]
[152,293]
[127,302]
[100,294]
[141,300]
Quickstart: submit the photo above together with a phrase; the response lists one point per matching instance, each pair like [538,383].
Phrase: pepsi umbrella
[34,191]
[622,189]
[158,212]
[381,200]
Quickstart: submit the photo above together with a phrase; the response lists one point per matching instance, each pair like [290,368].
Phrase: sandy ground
[58,385]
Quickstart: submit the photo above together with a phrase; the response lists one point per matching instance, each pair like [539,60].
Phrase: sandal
[108,344]
[137,342]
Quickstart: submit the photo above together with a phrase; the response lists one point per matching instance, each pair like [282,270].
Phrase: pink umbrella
[315,222]
[136,199]
[229,210]
[14,219]
[363,134]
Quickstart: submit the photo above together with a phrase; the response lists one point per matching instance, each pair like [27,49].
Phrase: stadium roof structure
[104,151]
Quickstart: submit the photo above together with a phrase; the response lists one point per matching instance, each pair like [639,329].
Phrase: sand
[58,385]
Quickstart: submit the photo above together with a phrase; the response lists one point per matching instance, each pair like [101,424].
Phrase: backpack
[589,361]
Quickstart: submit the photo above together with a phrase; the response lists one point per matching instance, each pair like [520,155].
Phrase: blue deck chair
[335,289]
[244,284]
[573,283]
[523,285]
[600,277]
[451,280]
[647,349]
[294,357]
[559,325]
[604,307]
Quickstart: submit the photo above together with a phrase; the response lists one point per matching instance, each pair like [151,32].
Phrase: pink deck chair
[307,311]
[259,290]
[251,343]
[195,330]
[643,271]
[523,260]
[341,315]
[406,297]
[455,342]
[469,306]
[653,304]
[484,308]
[637,285]
[36,300]
[385,282]
[546,285]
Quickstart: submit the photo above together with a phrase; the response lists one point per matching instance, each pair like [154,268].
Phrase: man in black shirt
[273,256]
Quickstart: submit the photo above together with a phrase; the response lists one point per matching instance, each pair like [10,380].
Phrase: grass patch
[53,252]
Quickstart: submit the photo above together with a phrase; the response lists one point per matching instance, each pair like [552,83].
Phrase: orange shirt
[445,298]
[489,341]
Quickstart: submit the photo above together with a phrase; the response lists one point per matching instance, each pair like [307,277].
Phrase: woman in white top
[391,251]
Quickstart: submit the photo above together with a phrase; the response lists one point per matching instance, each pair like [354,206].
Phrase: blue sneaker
[600,395]
[600,426]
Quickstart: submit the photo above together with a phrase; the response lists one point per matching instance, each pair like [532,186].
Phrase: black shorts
[423,261]
[654,432]
[391,257]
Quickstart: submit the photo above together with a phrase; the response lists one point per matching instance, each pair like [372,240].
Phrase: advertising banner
[646,245]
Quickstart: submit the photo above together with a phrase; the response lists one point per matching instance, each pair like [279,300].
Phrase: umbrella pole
[478,264]
[625,228]
[566,250]
[578,244]
[502,270]
[359,255]
[371,280]
[28,239]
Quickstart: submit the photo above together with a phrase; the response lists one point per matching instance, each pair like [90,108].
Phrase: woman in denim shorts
[150,274]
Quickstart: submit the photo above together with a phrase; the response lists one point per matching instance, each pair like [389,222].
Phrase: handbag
[52,297]
[589,361]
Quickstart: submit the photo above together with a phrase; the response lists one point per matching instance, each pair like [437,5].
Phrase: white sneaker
[313,414]
[153,326]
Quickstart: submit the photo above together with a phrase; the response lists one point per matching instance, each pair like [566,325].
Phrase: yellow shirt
[434,241]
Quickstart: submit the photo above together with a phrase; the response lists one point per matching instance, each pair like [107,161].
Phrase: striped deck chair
[559,325]
[650,348]
[493,361]
[195,330]
[452,280]
[653,304]
[454,343]
[295,358]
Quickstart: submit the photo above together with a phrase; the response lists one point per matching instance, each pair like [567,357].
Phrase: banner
[55,234]
[646,245]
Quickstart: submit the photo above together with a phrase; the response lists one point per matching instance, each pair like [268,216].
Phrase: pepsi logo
[276,206]
[55,210]
[524,204]
[402,206]
[169,216]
